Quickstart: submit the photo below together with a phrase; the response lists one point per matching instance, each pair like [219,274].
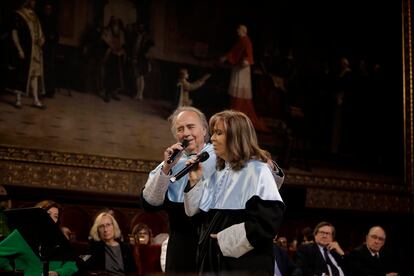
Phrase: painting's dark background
[298,41]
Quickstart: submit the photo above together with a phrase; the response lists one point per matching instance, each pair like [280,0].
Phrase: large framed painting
[332,79]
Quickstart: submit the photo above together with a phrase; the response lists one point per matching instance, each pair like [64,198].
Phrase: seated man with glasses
[107,252]
[370,258]
[324,256]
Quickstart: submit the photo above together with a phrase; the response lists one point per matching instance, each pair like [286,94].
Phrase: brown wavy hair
[241,139]
[137,228]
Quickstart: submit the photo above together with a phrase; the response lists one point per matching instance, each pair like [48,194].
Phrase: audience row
[320,254]
[106,250]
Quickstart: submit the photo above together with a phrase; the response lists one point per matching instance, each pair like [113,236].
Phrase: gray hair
[173,120]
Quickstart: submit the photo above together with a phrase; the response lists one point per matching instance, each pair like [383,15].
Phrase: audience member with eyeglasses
[108,255]
[146,253]
[323,257]
[370,258]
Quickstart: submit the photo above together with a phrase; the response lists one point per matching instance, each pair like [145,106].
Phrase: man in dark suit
[284,266]
[324,255]
[369,259]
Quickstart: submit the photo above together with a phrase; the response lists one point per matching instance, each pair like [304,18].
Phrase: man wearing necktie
[324,255]
[370,258]
[331,266]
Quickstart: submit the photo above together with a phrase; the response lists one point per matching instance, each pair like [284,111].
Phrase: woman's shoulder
[254,163]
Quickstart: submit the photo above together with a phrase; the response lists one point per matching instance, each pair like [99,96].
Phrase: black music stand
[42,234]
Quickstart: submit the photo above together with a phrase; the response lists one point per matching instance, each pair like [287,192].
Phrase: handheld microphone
[200,158]
[172,157]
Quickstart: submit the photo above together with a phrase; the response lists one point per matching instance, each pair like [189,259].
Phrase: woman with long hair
[240,202]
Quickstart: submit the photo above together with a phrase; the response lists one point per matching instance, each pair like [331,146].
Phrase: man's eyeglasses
[324,233]
[105,226]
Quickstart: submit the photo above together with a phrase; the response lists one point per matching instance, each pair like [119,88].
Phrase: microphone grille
[184,143]
[203,156]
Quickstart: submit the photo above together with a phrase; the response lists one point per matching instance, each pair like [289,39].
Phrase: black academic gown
[259,233]
[183,237]
[245,209]
[183,230]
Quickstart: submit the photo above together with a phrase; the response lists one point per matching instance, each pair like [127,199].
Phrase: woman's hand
[194,176]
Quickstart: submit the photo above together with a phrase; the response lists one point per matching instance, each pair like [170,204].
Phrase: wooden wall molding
[126,177]
[348,182]
[75,159]
[71,178]
[357,201]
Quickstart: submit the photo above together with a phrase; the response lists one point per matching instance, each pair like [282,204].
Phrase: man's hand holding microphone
[172,154]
